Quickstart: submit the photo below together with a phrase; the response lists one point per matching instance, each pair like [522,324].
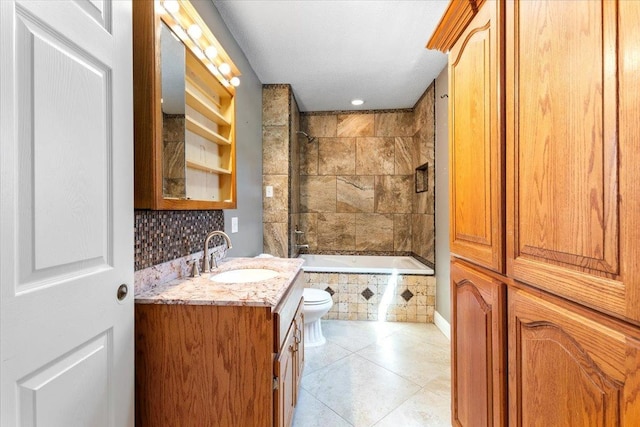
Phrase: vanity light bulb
[211,52]
[194,31]
[235,82]
[177,29]
[198,52]
[357,102]
[171,6]
[224,68]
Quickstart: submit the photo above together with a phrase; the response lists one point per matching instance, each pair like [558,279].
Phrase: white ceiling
[332,51]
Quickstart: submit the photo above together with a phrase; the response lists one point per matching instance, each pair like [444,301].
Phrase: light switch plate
[234,224]
[269,191]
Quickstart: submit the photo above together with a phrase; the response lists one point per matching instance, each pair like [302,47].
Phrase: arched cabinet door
[478,342]
[569,366]
[475,141]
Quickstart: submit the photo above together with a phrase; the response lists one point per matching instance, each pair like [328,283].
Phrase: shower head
[309,138]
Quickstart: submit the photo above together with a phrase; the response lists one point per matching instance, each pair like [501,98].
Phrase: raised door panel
[203,365]
[66,215]
[475,142]
[569,158]
[285,370]
[479,329]
[299,338]
[568,366]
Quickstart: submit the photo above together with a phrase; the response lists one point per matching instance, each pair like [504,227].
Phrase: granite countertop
[203,291]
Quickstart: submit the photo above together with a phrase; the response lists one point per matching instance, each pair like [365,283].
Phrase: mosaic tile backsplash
[384,297]
[162,236]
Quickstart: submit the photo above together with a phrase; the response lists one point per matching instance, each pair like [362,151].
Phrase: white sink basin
[245,275]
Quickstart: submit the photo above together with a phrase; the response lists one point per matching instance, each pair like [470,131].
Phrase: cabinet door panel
[284,370]
[566,199]
[570,367]
[299,338]
[475,142]
[478,348]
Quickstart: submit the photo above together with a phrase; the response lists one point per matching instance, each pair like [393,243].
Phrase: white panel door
[66,213]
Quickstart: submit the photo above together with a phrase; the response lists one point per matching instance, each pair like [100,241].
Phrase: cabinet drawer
[285,311]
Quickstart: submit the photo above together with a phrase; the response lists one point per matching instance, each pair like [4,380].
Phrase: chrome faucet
[206,266]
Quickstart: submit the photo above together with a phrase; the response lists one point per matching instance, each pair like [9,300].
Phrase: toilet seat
[315,296]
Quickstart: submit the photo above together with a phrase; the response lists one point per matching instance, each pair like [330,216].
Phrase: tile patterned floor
[376,374]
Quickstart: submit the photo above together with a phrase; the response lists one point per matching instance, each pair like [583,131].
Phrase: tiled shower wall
[280,122]
[423,214]
[162,236]
[357,184]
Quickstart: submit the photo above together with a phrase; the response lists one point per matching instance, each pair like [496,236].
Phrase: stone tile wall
[173,156]
[353,188]
[423,216]
[280,169]
[357,184]
[401,298]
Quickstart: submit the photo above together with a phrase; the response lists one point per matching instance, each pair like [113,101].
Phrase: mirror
[172,54]
[193,125]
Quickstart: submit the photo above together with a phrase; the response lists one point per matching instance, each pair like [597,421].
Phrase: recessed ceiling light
[357,102]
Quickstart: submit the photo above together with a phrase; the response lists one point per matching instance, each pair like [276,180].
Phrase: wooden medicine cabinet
[184,111]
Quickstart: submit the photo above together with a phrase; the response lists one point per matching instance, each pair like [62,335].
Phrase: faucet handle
[195,270]
[214,260]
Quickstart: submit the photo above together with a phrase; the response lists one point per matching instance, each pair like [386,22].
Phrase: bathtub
[364,264]
[380,288]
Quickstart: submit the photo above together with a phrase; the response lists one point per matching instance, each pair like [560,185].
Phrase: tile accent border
[384,302]
[354,112]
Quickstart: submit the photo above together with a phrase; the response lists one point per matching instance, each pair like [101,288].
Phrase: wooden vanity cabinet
[478,375]
[288,371]
[217,365]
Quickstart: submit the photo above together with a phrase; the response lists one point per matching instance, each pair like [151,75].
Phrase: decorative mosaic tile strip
[344,112]
[375,253]
[162,236]
[424,261]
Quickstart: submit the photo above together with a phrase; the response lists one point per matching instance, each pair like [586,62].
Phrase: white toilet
[316,304]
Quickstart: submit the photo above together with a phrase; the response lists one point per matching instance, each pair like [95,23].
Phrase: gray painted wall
[443,292]
[248,240]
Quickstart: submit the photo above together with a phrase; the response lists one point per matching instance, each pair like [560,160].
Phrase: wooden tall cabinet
[475,142]
[569,366]
[479,337]
[567,138]
[473,33]
[571,155]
